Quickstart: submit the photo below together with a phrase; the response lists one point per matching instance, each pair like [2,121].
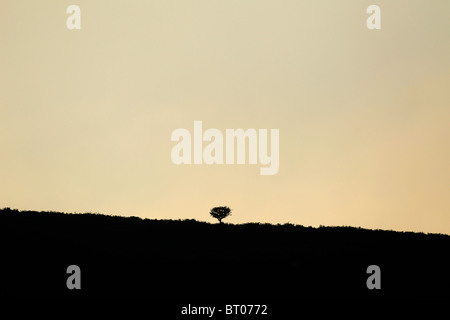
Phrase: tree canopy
[220,213]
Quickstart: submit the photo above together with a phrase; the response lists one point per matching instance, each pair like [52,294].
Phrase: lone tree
[220,213]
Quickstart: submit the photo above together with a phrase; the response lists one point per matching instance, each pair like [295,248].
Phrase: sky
[86,116]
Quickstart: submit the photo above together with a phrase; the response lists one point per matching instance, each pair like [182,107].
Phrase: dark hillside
[162,259]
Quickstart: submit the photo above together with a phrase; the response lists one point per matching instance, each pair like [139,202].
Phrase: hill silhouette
[129,258]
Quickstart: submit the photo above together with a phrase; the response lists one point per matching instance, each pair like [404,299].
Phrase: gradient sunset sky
[86,115]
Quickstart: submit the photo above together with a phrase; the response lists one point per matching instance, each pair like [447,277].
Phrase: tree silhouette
[220,213]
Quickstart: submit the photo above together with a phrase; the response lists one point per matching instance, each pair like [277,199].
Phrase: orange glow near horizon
[86,116]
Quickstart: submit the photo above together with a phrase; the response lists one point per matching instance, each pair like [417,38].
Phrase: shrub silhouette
[220,213]
[261,260]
